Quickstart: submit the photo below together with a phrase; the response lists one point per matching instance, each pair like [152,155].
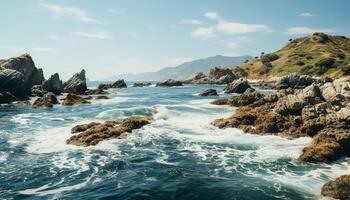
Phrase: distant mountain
[318,54]
[185,70]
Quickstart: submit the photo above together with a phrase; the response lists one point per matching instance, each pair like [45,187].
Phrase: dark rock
[92,134]
[216,75]
[38,91]
[7,97]
[294,80]
[249,97]
[13,81]
[141,84]
[102,97]
[337,189]
[237,86]
[169,83]
[47,101]
[53,84]
[73,99]
[76,84]
[209,92]
[117,84]
[95,92]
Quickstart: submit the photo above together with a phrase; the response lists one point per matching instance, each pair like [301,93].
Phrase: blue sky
[122,36]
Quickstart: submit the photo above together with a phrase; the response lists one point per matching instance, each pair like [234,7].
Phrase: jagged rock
[337,189]
[169,83]
[73,99]
[92,134]
[83,127]
[47,101]
[237,86]
[7,97]
[102,97]
[76,84]
[209,92]
[13,81]
[38,91]
[216,75]
[53,84]
[295,81]
[24,65]
[117,84]
[198,78]
[141,84]
[94,92]
[249,97]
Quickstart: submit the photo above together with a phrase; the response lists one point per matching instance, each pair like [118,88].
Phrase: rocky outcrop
[321,110]
[95,92]
[249,97]
[295,81]
[216,75]
[169,83]
[73,99]
[141,84]
[209,92]
[13,81]
[337,189]
[7,97]
[93,133]
[53,84]
[117,84]
[76,84]
[237,86]
[46,101]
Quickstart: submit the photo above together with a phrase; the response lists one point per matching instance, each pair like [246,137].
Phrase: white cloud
[203,33]
[76,13]
[191,21]
[232,44]
[211,15]
[306,14]
[94,35]
[306,30]
[234,27]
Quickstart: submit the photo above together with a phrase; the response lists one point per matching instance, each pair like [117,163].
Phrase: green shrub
[326,63]
[269,57]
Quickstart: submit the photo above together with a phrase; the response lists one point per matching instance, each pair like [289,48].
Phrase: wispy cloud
[235,27]
[203,33]
[306,30]
[95,35]
[74,12]
[211,15]
[190,21]
[306,14]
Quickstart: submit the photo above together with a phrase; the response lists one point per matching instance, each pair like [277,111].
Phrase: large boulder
[337,189]
[46,101]
[73,99]
[221,75]
[53,84]
[294,80]
[14,82]
[117,84]
[76,84]
[7,97]
[237,86]
[169,83]
[141,84]
[25,65]
[93,133]
[209,92]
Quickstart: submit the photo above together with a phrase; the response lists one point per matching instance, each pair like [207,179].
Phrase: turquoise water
[180,156]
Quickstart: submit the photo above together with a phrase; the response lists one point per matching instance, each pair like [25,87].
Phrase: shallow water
[180,156]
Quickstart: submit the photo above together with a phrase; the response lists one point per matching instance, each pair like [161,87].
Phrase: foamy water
[179,156]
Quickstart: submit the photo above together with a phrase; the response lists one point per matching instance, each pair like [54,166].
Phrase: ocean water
[179,156]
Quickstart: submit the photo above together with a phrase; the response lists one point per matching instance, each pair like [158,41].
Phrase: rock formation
[169,83]
[141,84]
[53,84]
[237,86]
[76,84]
[216,75]
[95,92]
[337,189]
[102,97]
[249,97]
[93,133]
[209,92]
[117,84]
[46,101]
[73,99]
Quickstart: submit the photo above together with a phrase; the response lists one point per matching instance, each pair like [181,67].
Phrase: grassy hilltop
[318,54]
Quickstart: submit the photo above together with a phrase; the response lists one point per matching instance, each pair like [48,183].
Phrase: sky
[108,38]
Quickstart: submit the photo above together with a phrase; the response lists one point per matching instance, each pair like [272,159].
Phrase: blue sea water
[179,156]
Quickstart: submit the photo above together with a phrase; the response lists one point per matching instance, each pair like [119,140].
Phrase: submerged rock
[73,99]
[102,97]
[209,92]
[46,101]
[117,84]
[337,189]
[93,133]
[76,84]
[141,84]
[169,83]
[237,86]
